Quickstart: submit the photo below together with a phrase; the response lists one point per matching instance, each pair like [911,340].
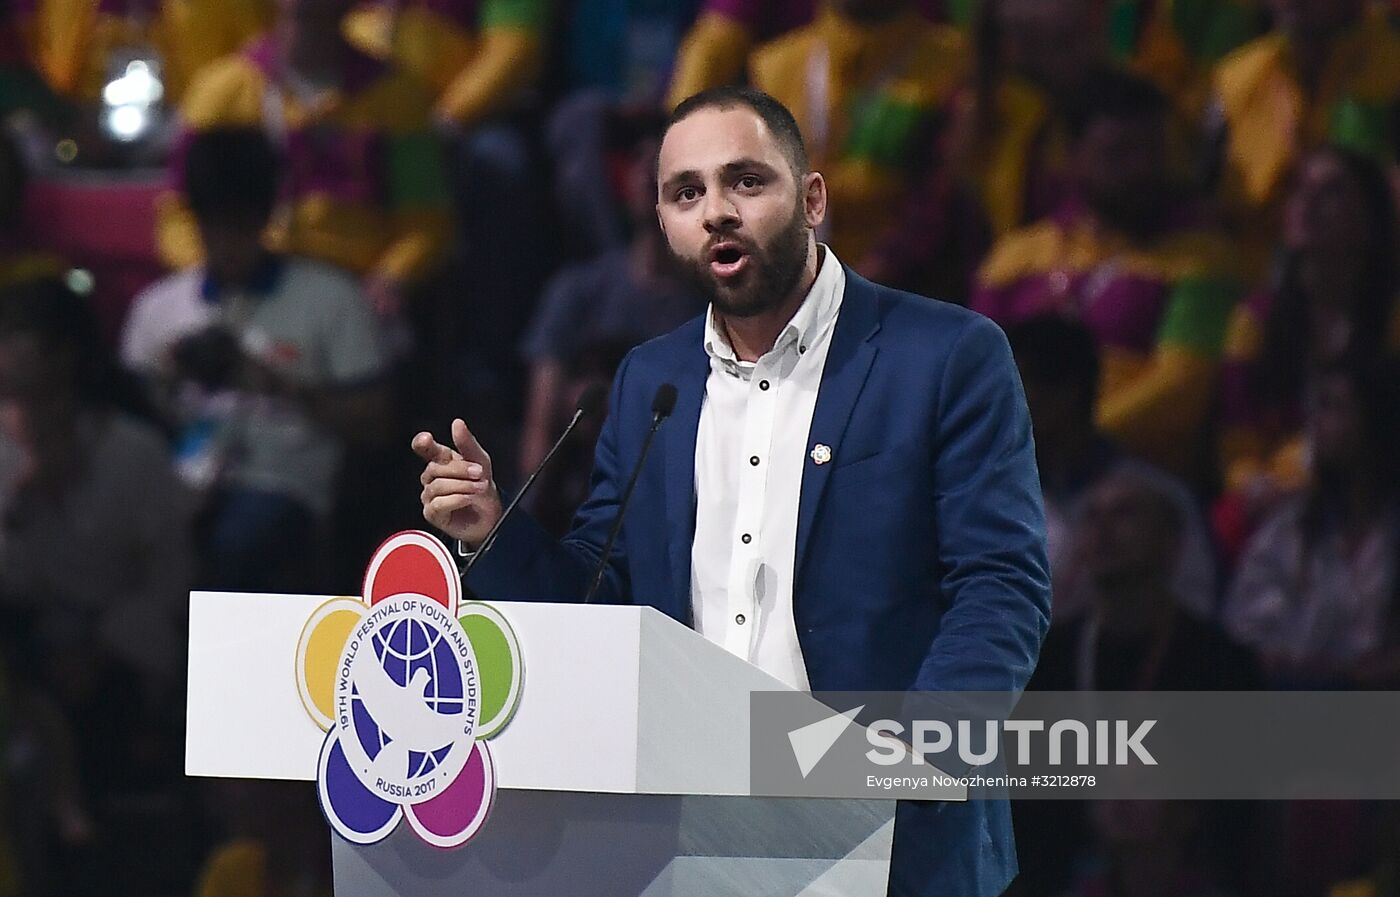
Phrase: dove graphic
[404,717]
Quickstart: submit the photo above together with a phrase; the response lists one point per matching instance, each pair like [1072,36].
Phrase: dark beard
[774,271]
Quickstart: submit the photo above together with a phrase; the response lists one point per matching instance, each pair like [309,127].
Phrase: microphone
[588,404]
[661,407]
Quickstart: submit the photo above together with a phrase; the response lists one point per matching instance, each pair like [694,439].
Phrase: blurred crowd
[248,246]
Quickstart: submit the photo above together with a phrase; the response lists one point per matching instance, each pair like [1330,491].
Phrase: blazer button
[746,538]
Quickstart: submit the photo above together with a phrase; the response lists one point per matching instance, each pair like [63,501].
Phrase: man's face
[738,220]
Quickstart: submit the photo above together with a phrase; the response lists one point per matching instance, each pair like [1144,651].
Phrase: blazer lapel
[847,365]
[678,437]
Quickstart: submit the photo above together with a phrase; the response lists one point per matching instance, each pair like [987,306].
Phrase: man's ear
[814,198]
[660,222]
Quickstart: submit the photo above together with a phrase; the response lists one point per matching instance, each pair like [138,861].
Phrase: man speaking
[845,494]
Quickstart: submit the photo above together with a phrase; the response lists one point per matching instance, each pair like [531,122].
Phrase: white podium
[625,770]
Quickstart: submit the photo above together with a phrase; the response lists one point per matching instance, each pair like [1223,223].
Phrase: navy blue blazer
[920,562]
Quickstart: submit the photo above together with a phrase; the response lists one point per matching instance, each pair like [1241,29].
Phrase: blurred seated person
[1135,636]
[590,139]
[269,365]
[1059,365]
[1329,72]
[616,61]
[867,81]
[79,46]
[592,313]
[1315,593]
[477,55]
[1126,256]
[95,559]
[1008,134]
[1333,294]
[364,189]
[717,46]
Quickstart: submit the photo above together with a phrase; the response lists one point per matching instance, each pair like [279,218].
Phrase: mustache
[748,246]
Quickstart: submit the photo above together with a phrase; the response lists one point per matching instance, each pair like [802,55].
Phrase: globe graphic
[403,647]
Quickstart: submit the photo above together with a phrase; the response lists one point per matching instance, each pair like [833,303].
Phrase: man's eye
[686,194]
[750,182]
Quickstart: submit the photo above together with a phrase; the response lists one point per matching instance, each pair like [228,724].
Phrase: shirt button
[801,350]
[763,385]
[746,538]
[739,619]
[754,460]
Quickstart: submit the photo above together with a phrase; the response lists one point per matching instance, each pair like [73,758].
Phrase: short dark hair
[1057,351]
[1113,94]
[231,174]
[773,113]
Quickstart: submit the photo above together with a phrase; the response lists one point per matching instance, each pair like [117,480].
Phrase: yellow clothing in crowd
[477,56]
[71,42]
[365,185]
[1180,42]
[1025,153]
[712,53]
[1271,121]
[1159,313]
[865,98]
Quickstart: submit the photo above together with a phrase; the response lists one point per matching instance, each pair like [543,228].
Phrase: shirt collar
[816,313]
[264,280]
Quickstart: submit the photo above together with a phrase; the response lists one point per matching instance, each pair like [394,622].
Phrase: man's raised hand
[459,495]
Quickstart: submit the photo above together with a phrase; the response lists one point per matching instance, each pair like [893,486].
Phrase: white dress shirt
[750,451]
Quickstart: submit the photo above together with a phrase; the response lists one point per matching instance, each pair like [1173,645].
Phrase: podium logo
[408,683]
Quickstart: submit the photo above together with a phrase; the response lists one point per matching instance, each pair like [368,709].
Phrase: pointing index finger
[429,449]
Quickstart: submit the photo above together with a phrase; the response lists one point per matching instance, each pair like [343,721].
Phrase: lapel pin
[821,453]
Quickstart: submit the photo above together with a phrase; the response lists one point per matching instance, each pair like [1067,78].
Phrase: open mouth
[727,260]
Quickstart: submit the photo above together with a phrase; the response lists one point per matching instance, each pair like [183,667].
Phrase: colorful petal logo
[408,684]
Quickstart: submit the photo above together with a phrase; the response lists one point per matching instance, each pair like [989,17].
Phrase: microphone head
[665,401]
[591,402]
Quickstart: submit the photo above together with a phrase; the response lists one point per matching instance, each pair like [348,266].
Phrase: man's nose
[720,213]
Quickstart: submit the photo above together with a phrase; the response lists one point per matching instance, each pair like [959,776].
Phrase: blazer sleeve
[995,582]
[526,563]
